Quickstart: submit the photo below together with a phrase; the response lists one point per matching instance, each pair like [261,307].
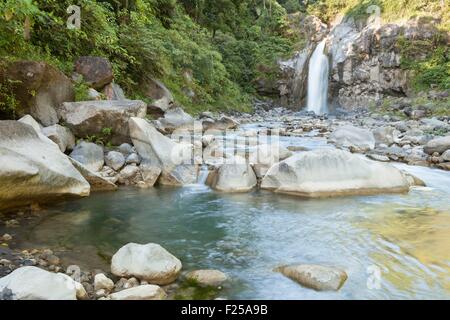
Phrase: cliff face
[365,60]
[366,63]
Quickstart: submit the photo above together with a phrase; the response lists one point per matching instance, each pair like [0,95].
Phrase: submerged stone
[316,277]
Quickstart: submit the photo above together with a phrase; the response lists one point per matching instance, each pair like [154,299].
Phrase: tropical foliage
[222,43]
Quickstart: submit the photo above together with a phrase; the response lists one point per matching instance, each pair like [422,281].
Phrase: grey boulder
[92,118]
[60,135]
[89,154]
[316,277]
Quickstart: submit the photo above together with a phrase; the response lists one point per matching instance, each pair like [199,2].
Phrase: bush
[223,43]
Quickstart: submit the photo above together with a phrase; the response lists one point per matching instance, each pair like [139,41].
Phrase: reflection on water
[414,247]
[247,235]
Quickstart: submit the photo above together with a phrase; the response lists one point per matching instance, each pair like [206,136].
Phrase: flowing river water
[391,246]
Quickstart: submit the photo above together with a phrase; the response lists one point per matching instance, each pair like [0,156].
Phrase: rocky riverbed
[298,140]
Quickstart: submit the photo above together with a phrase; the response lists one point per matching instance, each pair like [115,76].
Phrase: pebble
[29,262]
[6,237]
[103,282]
[131,283]
[52,259]
[12,223]
[42,263]
[100,293]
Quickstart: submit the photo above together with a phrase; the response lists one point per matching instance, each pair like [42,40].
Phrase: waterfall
[318,80]
[203,175]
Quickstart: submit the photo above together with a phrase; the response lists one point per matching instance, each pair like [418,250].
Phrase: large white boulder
[180,175]
[350,136]
[32,283]
[266,155]
[155,149]
[27,119]
[149,262]
[33,169]
[144,292]
[235,175]
[325,173]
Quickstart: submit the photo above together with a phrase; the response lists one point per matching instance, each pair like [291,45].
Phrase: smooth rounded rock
[103,282]
[115,160]
[144,292]
[89,154]
[207,277]
[439,145]
[149,262]
[328,172]
[316,277]
[32,283]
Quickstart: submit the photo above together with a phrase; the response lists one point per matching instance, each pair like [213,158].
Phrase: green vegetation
[225,44]
[81,91]
[8,102]
[433,107]
[190,289]
[429,60]
[102,138]
[215,50]
[390,10]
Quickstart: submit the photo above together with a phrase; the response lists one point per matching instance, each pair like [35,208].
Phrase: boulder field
[138,272]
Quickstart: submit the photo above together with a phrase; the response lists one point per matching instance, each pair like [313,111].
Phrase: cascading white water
[318,80]
[203,175]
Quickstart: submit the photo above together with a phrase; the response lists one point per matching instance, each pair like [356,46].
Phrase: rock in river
[32,283]
[144,292]
[212,278]
[103,282]
[149,262]
[33,169]
[315,277]
[350,136]
[325,173]
[97,182]
[233,176]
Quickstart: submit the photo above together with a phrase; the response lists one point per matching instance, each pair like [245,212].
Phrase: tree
[20,12]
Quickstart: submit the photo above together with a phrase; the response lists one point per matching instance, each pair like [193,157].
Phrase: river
[391,246]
